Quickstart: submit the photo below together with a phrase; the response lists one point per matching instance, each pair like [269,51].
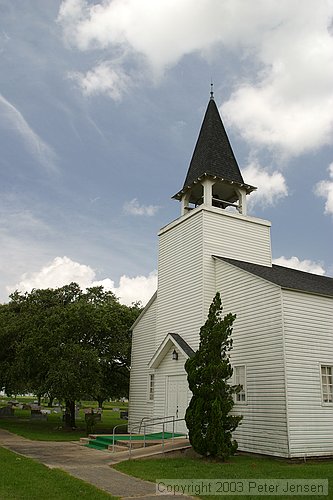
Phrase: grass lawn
[52,430]
[23,479]
[238,467]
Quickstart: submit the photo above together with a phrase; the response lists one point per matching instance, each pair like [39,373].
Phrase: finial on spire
[211,89]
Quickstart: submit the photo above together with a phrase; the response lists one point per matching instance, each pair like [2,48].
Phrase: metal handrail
[150,423]
[173,420]
[153,419]
[139,422]
[121,425]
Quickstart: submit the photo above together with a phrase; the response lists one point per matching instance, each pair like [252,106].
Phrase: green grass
[238,467]
[52,429]
[24,479]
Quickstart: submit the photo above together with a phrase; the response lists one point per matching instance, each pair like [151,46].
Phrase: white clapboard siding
[143,347]
[258,344]
[186,273]
[167,367]
[237,236]
[180,279]
[233,236]
[308,332]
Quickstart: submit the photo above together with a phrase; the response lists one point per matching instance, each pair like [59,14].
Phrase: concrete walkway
[92,466]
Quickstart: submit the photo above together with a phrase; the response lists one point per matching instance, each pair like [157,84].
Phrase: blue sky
[100,107]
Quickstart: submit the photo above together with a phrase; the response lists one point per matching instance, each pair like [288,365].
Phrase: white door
[177,401]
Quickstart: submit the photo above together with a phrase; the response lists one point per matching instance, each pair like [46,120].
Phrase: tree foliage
[67,344]
[208,416]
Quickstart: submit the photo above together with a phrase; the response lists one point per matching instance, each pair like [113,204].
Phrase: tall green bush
[208,416]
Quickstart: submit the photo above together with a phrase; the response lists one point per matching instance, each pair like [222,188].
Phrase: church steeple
[213,177]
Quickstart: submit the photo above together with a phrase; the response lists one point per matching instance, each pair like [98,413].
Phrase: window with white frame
[326,383]
[151,387]
[240,379]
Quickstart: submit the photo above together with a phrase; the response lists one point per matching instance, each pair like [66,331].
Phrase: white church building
[283,333]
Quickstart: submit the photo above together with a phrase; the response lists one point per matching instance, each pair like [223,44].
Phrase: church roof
[170,340]
[183,344]
[287,277]
[213,155]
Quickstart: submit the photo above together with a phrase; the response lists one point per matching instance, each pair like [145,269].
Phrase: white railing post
[173,429]
[163,436]
[130,444]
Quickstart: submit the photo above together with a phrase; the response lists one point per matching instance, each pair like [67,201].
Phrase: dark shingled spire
[213,154]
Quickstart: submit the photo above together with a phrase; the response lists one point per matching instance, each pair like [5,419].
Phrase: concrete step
[123,450]
[84,441]
[157,449]
[137,444]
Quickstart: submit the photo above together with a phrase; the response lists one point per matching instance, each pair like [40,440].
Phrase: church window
[151,387]
[327,384]
[240,379]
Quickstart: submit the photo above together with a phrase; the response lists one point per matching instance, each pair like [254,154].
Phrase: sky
[101,102]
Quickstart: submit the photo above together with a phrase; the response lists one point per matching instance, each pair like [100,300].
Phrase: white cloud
[302,265]
[152,29]
[62,271]
[71,10]
[325,189]
[134,208]
[266,118]
[288,106]
[11,118]
[285,104]
[105,78]
[271,186]
[132,289]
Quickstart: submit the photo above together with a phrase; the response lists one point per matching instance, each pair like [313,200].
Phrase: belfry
[213,177]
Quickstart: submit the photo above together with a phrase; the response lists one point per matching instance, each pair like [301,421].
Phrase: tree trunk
[72,407]
[50,403]
[39,399]
[67,416]
[100,403]
[70,414]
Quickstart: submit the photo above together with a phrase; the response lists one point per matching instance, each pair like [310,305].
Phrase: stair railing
[172,420]
[150,422]
[137,422]
[138,425]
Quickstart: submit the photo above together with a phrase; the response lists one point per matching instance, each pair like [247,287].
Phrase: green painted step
[96,446]
[102,442]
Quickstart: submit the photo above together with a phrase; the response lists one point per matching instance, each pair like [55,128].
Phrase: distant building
[283,333]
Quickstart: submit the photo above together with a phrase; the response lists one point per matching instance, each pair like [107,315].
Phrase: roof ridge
[287,277]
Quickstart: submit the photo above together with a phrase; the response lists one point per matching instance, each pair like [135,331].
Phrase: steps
[150,451]
[123,441]
[97,445]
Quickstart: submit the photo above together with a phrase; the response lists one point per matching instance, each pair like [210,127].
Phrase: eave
[247,187]
[171,340]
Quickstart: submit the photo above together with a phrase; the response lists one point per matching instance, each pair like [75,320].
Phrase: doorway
[177,401]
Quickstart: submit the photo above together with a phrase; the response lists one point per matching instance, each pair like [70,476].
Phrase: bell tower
[213,223]
[213,178]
